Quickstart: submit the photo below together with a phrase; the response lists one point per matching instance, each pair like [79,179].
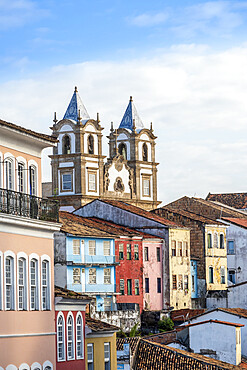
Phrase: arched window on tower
[90,144]
[145,152]
[122,149]
[66,145]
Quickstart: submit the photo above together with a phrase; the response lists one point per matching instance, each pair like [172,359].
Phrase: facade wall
[130,269]
[180,293]
[98,345]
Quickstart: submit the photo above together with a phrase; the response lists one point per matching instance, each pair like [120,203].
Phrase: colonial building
[27,224]
[79,173]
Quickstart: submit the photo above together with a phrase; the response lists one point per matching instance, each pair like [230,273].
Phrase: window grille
[92,276]
[70,338]
[92,247]
[107,276]
[107,248]
[60,338]
[76,276]
[76,246]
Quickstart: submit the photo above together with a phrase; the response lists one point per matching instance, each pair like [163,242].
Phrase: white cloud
[147,19]
[195,99]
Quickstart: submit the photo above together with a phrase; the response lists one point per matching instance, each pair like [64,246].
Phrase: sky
[183,61]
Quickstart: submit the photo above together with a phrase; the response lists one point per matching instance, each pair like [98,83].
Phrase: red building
[70,310]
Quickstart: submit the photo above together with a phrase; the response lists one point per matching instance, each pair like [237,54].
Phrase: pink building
[27,224]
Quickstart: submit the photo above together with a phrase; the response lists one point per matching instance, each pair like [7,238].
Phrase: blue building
[193,271]
[85,260]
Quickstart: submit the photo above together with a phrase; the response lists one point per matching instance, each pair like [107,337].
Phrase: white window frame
[89,282]
[45,258]
[107,276]
[35,257]
[60,314]
[92,181]
[92,248]
[36,365]
[107,359]
[9,160]
[10,254]
[67,181]
[24,367]
[76,269]
[81,340]
[47,364]
[34,166]
[22,256]
[107,247]
[76,248]
[70,315]
[91,361]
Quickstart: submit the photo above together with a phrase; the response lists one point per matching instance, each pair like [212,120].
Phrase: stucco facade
[97,342]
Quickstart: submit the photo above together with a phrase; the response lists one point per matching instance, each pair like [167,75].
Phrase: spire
[129,116]
[76,109]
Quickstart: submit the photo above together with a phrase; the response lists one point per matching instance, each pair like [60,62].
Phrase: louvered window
[92,276]
[76,246]
[107,247]
[107,276]
[92,247]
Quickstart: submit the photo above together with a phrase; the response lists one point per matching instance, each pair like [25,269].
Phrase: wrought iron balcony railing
[21,204]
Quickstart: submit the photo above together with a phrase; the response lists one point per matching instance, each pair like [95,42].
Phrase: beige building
[79,173]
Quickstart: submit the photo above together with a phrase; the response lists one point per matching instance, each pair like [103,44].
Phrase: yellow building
[215,257]
[100,344]
[179,267]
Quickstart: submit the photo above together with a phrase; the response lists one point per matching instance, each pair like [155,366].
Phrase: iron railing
[21,204]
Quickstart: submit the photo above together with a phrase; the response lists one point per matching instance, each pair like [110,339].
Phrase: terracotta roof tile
[237,311]
[236,200]
[237,221]
[215,322]
[133,342]
[186,314]
[66,293]
[98,326]
[38,135]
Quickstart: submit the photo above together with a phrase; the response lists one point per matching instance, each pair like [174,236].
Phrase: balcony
[25,205]
[91,260]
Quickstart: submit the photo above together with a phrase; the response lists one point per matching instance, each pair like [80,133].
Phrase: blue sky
[184,62]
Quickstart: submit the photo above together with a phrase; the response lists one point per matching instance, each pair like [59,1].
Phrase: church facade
[81,173]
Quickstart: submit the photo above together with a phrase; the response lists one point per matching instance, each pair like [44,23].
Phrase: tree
[166,324]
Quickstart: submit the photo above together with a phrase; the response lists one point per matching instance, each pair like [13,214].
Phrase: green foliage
[121,334]
[166,324]
[134,331]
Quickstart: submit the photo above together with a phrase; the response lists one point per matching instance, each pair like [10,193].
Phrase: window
[66,144]
[209,241]
[121,251]
[211,275]
[22,284]
[76,246]
[79,336]
[107,304]
[107,247]
[222,244]
[174,282]
[92,181]
[158,285]
[180,282]
[222,275]
[146,285]
[92,276]
[174,248]
[9,174]
[45,286]
[90,355]
[32,180]
[60,338]
[122,286]
[158,254]
[129,286]
[146,187]
[34,300]
[66,181]
[230,247]
[193,283]
[128,251]
[136,250]
[186,250]
[76,276]
[92,247]
[186,282]
[70,337]
[145,152]
[136,286]
[145,253]
[9,283]
[107,356]
[107,276]
[180,249]
[21,177]
[90,144]
[216,240]
[232,276]
[122,150]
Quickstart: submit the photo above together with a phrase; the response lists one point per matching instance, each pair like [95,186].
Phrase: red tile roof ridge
[242,222]
[213,321]
[64,292]
[28,131]
[98,325]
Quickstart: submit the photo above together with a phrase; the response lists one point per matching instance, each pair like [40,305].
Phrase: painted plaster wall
[216,337]
[130,269]
[216,258]
[225,316]
[179,265]
[238,261]
[98,343]
[153,269]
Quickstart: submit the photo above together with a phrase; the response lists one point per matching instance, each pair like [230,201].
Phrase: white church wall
[123,174]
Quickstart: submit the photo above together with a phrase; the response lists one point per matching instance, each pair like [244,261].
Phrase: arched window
[36,366]
[33,180]
[22,283]
[79,336]
[122,149]
[60,338]
[9,283]
[45,285]
[9,174]
[34,288]
[90,144]
[145,152]
[21,177]
[66,144]
[47,365]
[70,337]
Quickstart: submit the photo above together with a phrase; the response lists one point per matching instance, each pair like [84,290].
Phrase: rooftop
[186,313]
[133,342]
[130,116]
[234,311]
[214,322]
[99,326]
[237,221]
[66,293]
[236,200]
[76,108]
